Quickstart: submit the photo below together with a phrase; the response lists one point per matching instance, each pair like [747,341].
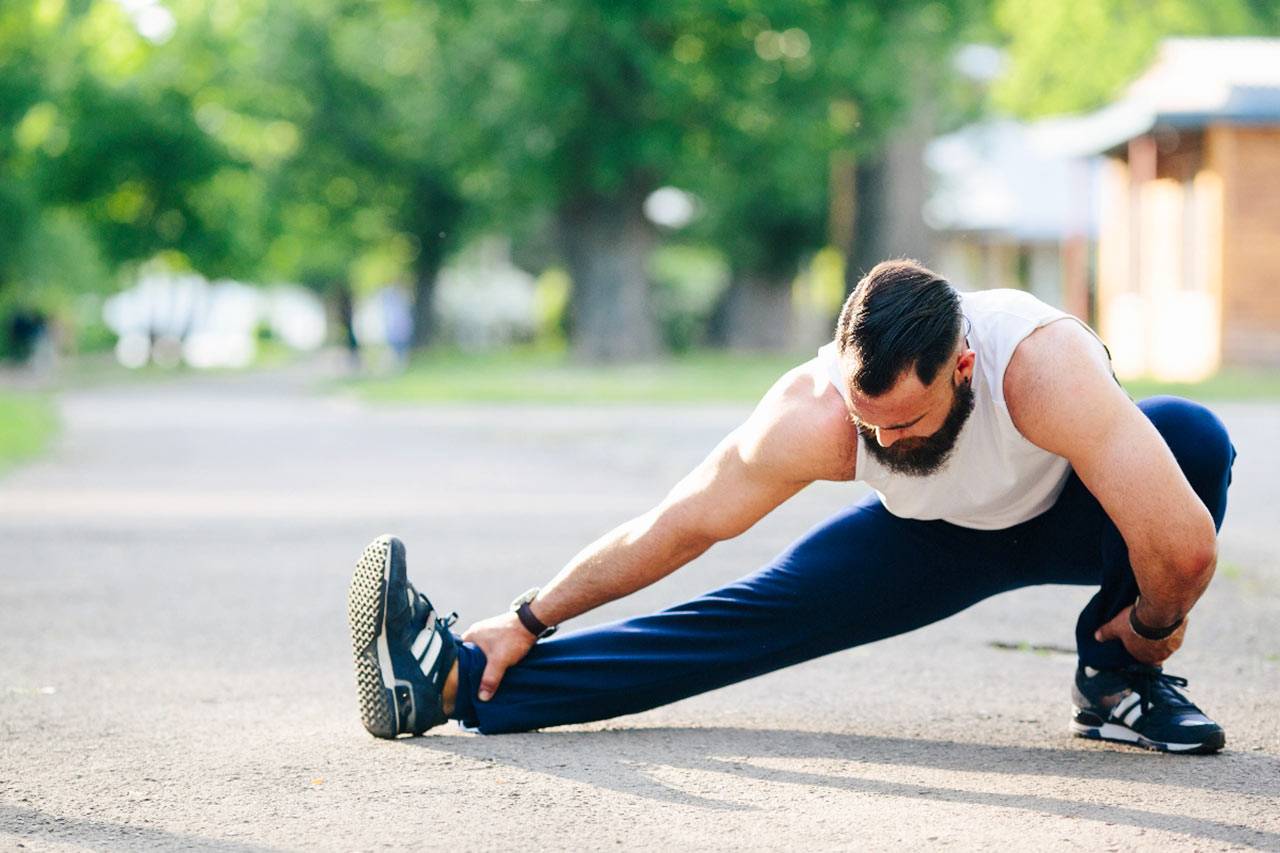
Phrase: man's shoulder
[1050,371]
[803,422]
[1054,349]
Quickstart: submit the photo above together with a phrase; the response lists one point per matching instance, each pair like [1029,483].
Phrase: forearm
[1171,583]
[627,558]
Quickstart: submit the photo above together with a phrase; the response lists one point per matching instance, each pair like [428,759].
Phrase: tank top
[994,477]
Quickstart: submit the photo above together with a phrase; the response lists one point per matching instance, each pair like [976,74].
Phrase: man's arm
[1062,397]
[796,435]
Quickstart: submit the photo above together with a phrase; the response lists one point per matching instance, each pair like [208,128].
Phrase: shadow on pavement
[34,825]
[631,754]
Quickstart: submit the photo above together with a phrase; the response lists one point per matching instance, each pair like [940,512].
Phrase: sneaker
[403,650]
[1144,706]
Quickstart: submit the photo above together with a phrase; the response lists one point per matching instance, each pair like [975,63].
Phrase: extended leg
[861,576]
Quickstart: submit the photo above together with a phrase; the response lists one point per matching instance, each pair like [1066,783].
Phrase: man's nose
[886,437]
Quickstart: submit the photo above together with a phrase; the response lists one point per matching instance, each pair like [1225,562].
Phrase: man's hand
[505,642]
[1153,652]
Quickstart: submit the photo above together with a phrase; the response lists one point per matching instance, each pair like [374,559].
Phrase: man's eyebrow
[909,423]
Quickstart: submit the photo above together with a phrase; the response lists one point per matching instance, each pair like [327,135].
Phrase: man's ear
[964,365]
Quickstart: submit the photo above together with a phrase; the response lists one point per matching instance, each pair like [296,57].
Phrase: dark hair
[900,314]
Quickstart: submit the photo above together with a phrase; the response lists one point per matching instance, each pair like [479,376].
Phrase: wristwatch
[1145,631]
[532,624]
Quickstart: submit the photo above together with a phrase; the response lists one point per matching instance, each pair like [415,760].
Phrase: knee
[1197,437]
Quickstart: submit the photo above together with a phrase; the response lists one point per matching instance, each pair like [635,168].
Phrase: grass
[542,376]
[1236,385]
[27,424]
[539,376]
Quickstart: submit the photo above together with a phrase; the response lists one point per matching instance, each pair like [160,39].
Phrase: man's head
[907,365]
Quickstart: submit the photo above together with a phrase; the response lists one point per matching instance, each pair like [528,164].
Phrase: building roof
[1193,82]
[1008,180]
[1030,182]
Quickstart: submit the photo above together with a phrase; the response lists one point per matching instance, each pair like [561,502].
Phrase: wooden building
[1188,258]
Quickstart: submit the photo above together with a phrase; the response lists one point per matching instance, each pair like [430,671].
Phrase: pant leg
[863,575]
[1203,449]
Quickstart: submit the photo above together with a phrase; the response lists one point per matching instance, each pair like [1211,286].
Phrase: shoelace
[446,621]
[423,601]
[1152,682]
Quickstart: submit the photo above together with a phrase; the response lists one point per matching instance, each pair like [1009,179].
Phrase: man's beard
[922,456]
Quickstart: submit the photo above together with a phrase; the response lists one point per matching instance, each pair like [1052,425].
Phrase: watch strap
[1146,632]
[532,623]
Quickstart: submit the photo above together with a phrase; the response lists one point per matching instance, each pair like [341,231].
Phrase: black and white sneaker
[403,650]
[1143,706]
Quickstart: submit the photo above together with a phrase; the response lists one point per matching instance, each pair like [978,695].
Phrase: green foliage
[797,83]
[688,280]
[348,143]
[27,424]
[100,155]
[740,102]
[359,191]
[1072,57]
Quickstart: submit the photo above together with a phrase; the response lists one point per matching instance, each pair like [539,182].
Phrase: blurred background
[533,198]
[244,243]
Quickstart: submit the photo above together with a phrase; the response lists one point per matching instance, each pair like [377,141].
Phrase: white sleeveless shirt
[994,477]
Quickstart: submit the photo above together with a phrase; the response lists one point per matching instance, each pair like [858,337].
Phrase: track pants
[860,576]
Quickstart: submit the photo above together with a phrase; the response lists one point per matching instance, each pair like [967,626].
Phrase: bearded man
[1002,453]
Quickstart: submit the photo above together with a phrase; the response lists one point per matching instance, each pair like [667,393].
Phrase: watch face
[525,598]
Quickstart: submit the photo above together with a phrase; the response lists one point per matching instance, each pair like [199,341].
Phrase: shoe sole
[366,612]
[1123,734]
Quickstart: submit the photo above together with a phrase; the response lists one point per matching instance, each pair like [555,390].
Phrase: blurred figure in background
[397,324]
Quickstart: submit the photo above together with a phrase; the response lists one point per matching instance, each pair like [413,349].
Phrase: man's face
[912,428]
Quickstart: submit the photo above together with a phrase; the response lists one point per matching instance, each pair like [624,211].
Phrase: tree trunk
[606,244]
[344,311]
[754,314]
[431,212]
[891,193]
[425,320]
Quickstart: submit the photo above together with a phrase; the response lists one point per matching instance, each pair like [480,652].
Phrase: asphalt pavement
[175,670]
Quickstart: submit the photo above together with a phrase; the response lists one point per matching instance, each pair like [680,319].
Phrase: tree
[587,108]
[53,244]
[106,165]
[808,90]
[1073,57]
[571,107]
[363,195]
[397,52]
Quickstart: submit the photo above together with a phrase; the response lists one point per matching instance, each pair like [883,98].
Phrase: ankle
[450,695]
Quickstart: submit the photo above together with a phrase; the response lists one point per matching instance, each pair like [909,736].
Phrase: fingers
[504,642]
[1154,652]
[493,672]
[1110,630]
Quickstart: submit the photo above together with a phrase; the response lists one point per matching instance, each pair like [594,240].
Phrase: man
[1002,454]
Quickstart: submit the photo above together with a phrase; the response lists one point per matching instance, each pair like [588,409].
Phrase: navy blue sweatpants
[860,576]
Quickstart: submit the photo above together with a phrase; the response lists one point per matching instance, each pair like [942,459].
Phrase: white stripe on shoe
[420,644]
[424,637]
[428,660]
[1122,707]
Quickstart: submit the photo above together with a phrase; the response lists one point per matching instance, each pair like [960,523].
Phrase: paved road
[174,668]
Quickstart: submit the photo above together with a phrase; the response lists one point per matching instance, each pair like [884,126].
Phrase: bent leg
[863,575]
[1204,451]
